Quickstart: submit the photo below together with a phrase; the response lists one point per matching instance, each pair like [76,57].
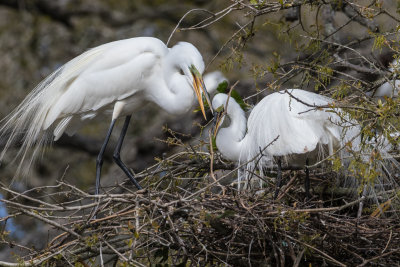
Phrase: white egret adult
[117,77]
[291,118]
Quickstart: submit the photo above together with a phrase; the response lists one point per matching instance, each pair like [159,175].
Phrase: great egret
[290,117]
[116,77]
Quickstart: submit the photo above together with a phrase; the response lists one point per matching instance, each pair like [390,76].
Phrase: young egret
[291,118]
[213,79]
[118,78]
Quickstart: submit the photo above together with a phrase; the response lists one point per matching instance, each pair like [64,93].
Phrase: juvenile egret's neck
[229,139]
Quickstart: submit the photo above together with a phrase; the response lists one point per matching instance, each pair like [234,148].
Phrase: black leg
[117,153]
[307,181]
[99,161]
[278,178]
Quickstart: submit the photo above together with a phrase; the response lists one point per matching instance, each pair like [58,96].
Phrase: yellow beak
[199,88]
[217,122]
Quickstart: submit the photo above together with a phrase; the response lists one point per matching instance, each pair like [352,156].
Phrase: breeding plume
[285,124]
[115,78]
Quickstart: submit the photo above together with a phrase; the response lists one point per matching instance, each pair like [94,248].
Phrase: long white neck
[178,97]
[229,140]
[172,90]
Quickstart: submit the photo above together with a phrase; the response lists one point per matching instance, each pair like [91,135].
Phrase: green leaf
[235,95]
[222,87]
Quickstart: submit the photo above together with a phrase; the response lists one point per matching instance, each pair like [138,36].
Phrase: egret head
[213,80]
[190,64]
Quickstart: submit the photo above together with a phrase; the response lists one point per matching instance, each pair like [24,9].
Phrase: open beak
[199,88]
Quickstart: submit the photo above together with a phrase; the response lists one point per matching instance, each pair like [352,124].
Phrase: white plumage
[299,128]
[389,89]
[213,79]
[294,117]
[117,77]
[305,127]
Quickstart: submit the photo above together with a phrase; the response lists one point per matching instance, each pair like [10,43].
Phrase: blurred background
[39,36]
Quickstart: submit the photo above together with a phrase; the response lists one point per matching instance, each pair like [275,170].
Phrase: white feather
[300,121]
[132,71]
[60,128]
[389,89]
[299,128]
[213,79]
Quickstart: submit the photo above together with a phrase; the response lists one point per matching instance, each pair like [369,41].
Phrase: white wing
[119,72]
[300,127]
[81,85]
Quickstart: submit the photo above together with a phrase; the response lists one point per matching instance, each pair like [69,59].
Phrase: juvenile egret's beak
[217,122]
[199,88]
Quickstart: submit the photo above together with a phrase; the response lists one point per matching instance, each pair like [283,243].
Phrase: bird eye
[181,72]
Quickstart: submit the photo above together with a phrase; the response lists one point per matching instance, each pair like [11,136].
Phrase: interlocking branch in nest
[244,229]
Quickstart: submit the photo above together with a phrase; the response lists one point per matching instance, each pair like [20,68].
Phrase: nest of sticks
[186,217]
